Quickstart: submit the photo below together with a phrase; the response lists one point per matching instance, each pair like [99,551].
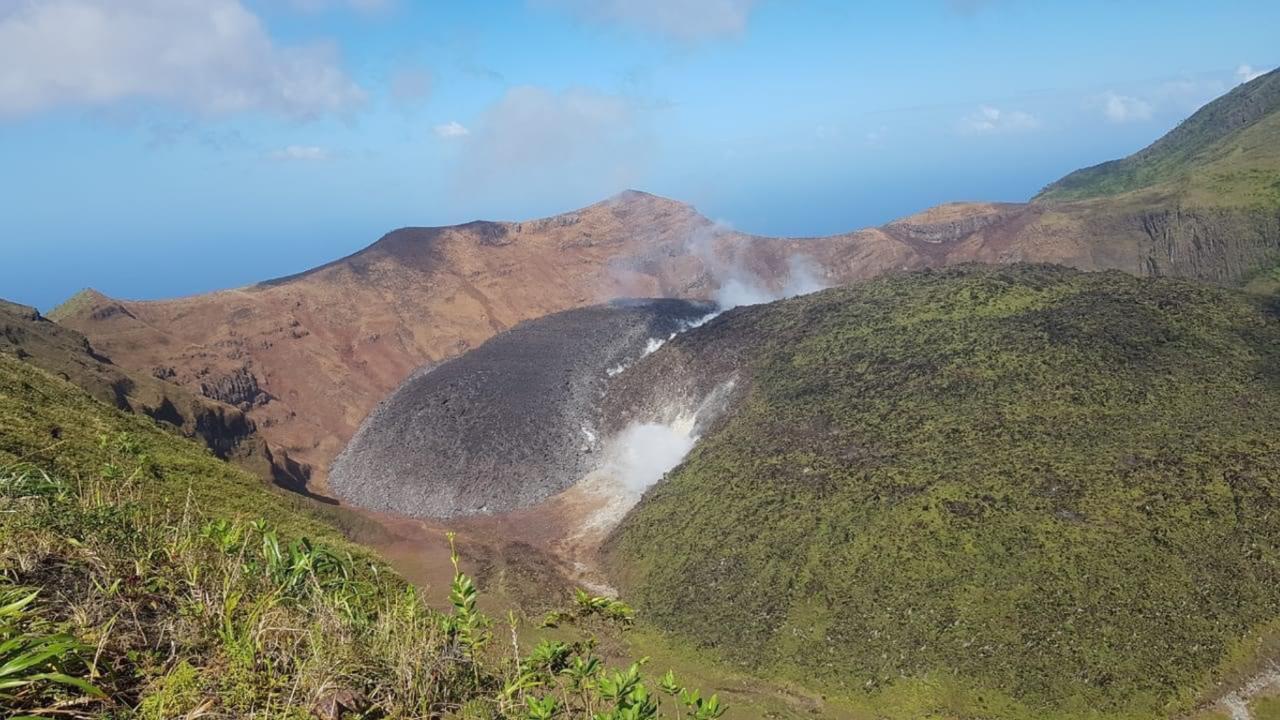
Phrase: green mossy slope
[1051,487]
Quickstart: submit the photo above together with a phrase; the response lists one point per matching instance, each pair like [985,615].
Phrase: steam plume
[644,452]
[739,285]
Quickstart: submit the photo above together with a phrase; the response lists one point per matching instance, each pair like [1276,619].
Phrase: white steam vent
[632,461]
[642,453]
[635,459]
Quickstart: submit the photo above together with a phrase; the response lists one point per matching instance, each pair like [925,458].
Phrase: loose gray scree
[507,424]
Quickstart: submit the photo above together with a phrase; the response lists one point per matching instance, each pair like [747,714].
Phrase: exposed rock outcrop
[692,367]
[957,226]
[238,388]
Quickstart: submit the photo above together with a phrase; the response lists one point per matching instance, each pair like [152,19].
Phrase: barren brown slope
[308,356]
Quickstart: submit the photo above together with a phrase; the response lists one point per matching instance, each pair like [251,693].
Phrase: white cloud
[1245,73]
[453,129]
[306,153]
[1188,94]
[683,20]
[558,146]
[206,56]
[991,120]
[1122,108]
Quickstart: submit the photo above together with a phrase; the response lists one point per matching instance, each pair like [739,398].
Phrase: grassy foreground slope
[1014,492]
[141,577]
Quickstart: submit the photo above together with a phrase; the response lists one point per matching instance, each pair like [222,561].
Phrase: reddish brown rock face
[309,356]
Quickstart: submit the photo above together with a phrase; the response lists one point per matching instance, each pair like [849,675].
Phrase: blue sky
[152,148]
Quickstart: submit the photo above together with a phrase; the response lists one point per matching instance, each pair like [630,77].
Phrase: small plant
[701,708]
[19,485]
[467,625]
[586,606]
[541,708]
[549,655]
[32,663]
[224,534]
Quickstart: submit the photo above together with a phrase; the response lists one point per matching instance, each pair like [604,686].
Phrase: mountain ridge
[359,325]
[1173,154]
[424,295]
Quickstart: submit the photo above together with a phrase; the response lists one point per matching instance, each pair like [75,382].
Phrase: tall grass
[111,605]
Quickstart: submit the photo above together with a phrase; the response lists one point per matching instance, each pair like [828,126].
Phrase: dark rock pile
[239,388]
[506,425]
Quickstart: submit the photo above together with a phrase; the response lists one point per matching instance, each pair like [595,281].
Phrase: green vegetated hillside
[1227,152]
[979,492]
[142,577]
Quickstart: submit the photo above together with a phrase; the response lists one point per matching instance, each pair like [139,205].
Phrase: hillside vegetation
[141,577]
[979,492]
[1227,151]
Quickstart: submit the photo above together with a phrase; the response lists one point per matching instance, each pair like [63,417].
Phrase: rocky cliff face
[238,388]
[1220,245]
[227,431]
[508,424]
[1154,236]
